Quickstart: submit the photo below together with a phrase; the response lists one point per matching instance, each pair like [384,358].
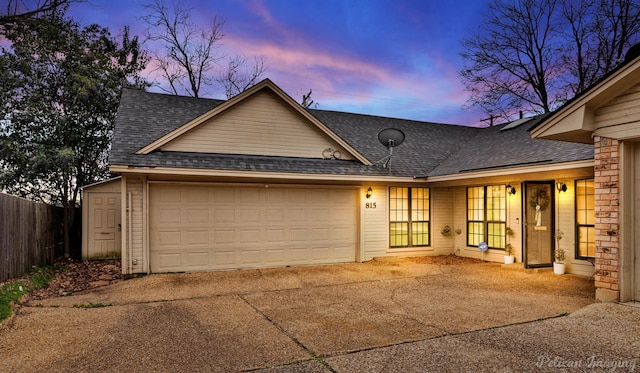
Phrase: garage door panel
[168,194]
[169,261]
[169,238]
[198,260]
[320,234]
[217,227]
[197,238]
[299,234]
[275,256]
[249,236]
[298,255]
[198,215]
[275,215]
[250,257]
[273,236]
[343,252]
[249,196]
[223,195]
[341,234]
[196,195]
[224,236]
[275,196]
[248,216]
[224,215]
[296,196]
[169,216]
[320,216]
[297,216]
[320,253]
[224,259]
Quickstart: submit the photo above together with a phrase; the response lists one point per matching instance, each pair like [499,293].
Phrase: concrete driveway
[415,314]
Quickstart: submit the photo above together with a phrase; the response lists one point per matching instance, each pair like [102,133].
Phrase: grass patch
[10,293]
[39,277]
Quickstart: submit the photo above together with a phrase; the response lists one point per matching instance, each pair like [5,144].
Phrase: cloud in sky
[388,58]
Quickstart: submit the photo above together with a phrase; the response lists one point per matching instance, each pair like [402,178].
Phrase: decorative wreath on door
[540,198]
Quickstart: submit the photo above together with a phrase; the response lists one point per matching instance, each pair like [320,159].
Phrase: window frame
[410,220]
[485,223]
[590,227]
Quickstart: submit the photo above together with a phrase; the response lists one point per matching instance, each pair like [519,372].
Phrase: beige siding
[135,232]
[566,223]
[375,223]
[262,125]
[442,215]
[459,207]
[514,220]
[621,110]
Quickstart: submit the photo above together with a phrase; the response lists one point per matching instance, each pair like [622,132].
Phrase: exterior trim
[513,171]
[258,174]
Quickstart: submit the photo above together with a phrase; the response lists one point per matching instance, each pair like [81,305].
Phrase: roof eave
[242,174]
[512,171]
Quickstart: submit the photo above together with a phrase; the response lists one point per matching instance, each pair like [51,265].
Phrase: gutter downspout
[129,234]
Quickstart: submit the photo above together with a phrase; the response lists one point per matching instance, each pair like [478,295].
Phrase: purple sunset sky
[388,58]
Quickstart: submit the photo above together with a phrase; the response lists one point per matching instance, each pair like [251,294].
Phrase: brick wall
[607,218]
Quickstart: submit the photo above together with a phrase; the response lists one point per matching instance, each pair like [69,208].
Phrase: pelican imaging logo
[594,362]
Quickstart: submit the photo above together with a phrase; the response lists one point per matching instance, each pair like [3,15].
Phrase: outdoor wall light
[562,187]
[369,192]
[510,189]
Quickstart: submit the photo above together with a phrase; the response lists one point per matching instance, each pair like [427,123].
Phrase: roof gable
[262,121]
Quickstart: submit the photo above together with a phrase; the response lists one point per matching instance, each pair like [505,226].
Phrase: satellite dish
[391,137]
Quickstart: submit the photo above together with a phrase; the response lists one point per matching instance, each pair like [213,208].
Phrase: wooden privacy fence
[30,235]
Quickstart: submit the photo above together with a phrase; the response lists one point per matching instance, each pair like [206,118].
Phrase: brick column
[607,219]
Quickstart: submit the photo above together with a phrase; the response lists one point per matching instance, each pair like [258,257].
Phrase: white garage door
[197,228]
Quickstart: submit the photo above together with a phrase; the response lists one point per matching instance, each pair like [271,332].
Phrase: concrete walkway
[400,315]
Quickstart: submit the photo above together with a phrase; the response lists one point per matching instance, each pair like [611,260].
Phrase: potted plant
[508,248]
[508,254]
[558,264]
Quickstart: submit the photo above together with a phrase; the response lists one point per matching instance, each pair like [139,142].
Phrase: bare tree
[307,101]
[617,24]
[23,10]
[189,57]
[599,34]
[512,57]
[240,76]
[534,55]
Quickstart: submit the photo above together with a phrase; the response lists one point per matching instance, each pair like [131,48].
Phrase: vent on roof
[515,123]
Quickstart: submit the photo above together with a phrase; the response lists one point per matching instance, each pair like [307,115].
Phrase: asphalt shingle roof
[429,149]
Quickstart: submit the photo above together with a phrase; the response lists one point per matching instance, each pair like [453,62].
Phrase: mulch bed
[81,275]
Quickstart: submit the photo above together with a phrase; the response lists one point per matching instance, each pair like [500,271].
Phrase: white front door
[104,225]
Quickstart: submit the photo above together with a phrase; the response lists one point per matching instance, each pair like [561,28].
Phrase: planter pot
[509,259]
[558,268]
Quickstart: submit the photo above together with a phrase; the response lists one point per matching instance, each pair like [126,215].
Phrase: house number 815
[370,205]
